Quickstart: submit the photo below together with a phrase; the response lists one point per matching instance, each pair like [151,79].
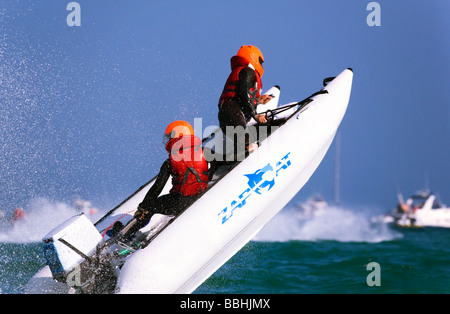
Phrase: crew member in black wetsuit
[242,92]
[187,166]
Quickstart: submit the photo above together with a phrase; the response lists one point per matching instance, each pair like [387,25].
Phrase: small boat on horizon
[422,209]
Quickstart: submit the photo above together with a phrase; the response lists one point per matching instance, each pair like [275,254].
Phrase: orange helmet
[254,56]
[177,129]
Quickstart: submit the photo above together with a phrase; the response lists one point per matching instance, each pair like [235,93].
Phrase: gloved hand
[141,212]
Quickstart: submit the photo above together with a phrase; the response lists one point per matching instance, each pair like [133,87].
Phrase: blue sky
[83,108]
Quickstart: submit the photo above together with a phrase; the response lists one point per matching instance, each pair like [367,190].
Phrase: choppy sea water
[324,254]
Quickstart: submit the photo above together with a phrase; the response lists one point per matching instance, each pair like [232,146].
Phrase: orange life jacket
[230,91]
[188,166]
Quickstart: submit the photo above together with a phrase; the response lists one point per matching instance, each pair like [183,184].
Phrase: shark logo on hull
[261,179]
[259,182]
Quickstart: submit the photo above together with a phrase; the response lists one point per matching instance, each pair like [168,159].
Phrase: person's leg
[231,116]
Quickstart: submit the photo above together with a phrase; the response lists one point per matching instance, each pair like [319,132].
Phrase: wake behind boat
[176,254]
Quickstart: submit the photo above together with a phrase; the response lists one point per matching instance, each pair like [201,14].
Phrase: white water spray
[330,223]
[41,216]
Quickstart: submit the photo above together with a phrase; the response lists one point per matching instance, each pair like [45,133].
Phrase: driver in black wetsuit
[242,92]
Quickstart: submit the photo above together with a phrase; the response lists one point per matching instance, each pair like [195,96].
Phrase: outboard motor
[72,251]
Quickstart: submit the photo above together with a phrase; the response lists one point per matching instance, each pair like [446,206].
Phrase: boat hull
[201,239]
[230,214]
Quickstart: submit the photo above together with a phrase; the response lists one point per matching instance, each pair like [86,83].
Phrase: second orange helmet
[254,56]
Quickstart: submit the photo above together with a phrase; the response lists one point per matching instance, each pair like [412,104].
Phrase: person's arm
[247,79]
[157,187]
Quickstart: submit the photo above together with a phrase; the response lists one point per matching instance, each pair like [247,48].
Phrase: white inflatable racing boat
[177,254]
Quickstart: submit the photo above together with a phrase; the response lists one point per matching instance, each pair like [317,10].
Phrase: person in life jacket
[18,215]
[186,165]
[242,91]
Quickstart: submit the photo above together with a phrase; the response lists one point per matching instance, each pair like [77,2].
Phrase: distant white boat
[422,209]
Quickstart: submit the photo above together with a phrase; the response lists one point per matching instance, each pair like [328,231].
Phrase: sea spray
[41,216]
[330,223]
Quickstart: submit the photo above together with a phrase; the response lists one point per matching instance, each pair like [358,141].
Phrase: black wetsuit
[168,204]
[238,111]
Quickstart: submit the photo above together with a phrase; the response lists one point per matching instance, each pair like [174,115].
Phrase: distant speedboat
[422,209]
